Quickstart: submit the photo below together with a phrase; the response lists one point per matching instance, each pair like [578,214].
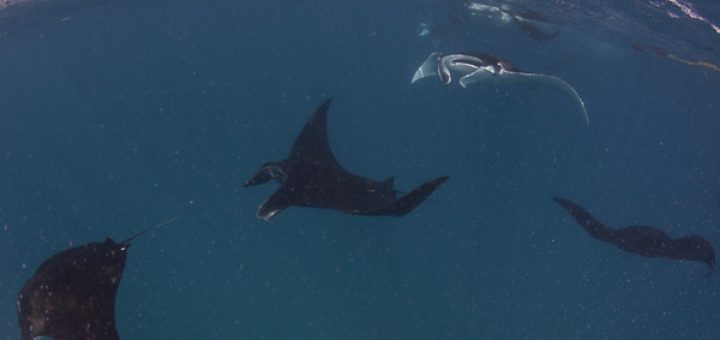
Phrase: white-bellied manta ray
[312,177]
[478,67]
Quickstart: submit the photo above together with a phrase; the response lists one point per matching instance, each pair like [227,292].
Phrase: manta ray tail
[142,232]
[543,79]
[570,91]
[412,200]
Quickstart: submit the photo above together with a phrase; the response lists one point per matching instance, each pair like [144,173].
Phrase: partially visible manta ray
[533,23]
[481,67]
[71,296]
[312,177]
[643,240]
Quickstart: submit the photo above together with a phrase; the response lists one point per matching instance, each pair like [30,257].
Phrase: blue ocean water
[118,115]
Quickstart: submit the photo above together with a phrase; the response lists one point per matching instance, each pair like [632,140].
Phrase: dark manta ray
[643,240]
[480,67]
[312,177]
[71,296]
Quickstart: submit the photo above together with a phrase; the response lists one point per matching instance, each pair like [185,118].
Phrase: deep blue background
[115,116]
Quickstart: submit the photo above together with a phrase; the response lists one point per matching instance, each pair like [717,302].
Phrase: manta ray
[481,67]
[72,294]
[533,23]
[312,177]
[643,240]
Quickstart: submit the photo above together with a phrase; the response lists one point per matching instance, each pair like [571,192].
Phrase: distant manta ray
[643,240]
[312,177]
[480,67]
[534,24]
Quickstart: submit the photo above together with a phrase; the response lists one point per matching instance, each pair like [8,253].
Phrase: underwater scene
[403,169]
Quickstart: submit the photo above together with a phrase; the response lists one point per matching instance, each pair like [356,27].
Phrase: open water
[118,115]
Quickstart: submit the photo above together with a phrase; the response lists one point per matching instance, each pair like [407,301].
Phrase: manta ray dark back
[72,294]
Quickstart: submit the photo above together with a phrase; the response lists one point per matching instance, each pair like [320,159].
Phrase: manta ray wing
[546,80]
[693,248]
[72,294]
[587,221]
[312,144]
[411,200]
[428,68]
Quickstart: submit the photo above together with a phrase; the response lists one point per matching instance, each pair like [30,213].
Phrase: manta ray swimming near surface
[481,67]
[534,24]
[643,240]
[72,294]
[312,177]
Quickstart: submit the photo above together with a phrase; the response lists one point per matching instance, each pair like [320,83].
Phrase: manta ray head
[271,170]
[504,66]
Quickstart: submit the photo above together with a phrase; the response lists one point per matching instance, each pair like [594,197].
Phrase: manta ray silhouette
[312,177]
[71,296]
[643,240]
[481,67]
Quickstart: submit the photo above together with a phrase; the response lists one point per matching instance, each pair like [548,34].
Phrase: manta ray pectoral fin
[412,200]
[587,221]
[550,81]
[273,205]
[693,248]
[428,68]
[312,144]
